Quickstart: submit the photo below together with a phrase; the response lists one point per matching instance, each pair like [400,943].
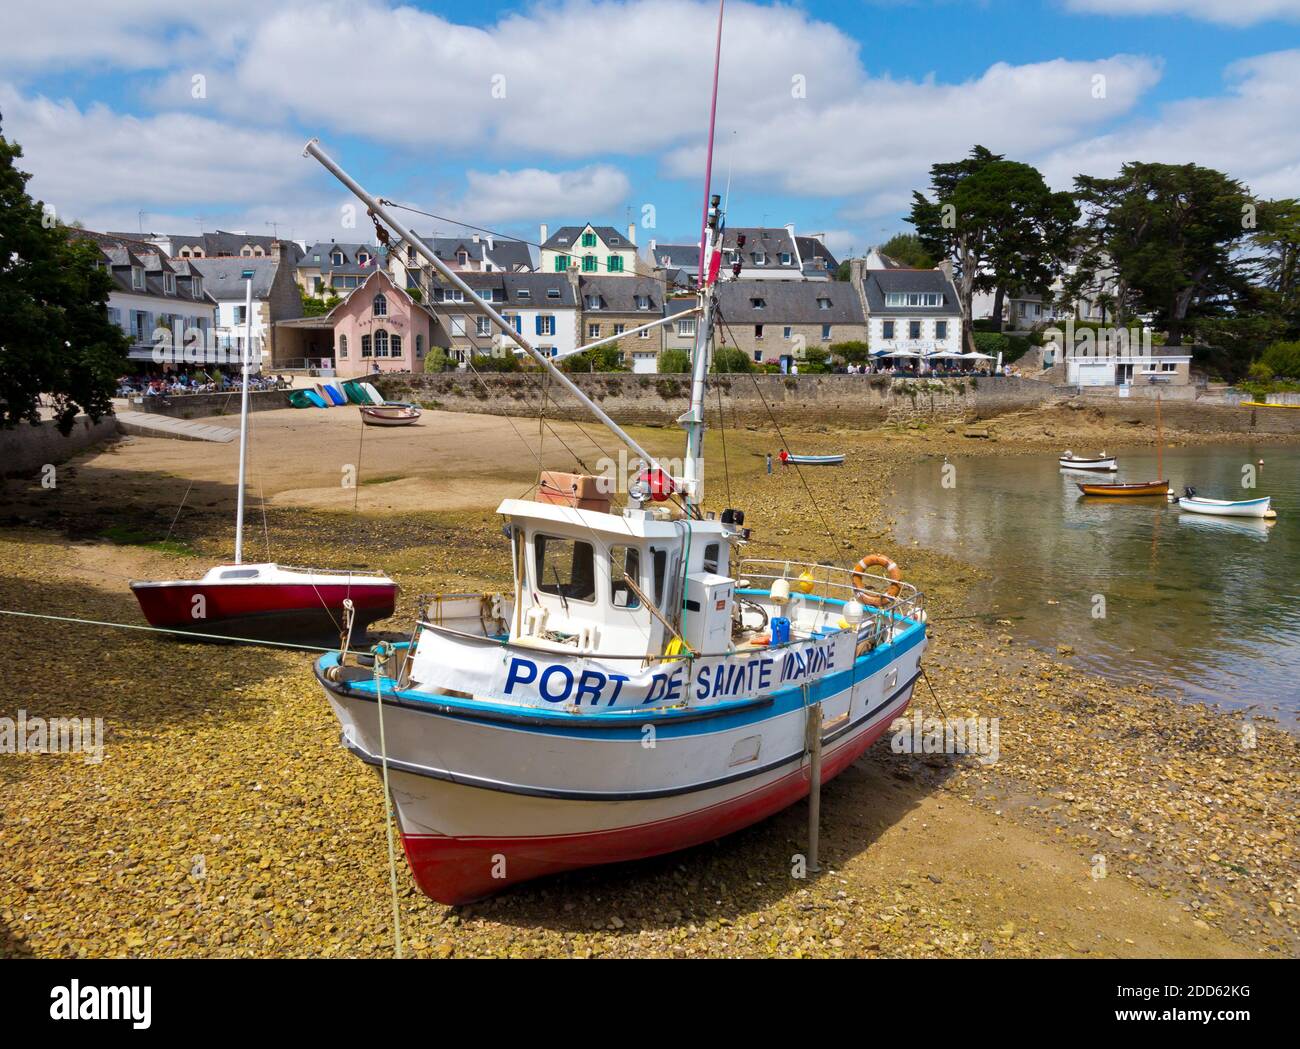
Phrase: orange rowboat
[1141,488]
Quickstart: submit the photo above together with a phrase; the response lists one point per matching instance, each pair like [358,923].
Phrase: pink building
[380,328]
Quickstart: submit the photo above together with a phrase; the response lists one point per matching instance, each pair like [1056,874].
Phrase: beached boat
[1141,488]
[813,460]
[264,601]
[1070,461]
[1196,504]
[390,413]
[643,688]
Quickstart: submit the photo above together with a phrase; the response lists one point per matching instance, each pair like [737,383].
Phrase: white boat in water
[642,689]
[1259,508]
[1070,461]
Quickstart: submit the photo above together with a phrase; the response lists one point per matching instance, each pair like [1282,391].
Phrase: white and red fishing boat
[264,601]
[643,687]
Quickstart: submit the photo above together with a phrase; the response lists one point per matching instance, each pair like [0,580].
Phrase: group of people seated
[170,384]
[937,370]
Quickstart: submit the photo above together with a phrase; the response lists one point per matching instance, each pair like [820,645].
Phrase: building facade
[380,328]
[275,298]
[611,306]
[331,268]
[597,251]
[916,311]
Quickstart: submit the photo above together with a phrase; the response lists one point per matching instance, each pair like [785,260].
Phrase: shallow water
[1142,591]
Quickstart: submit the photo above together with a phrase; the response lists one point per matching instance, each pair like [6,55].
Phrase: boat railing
[830,585]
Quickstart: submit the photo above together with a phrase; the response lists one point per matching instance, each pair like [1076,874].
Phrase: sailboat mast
[710,230]
[1160,441]
[243,419]
[377,208]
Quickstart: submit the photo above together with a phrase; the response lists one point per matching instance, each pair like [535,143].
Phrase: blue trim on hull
[628,724]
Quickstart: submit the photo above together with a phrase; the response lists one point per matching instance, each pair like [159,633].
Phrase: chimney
[275,249]
[491,243]
[542,238]
[653,246]
[789,228]
[474,237]
[631,232]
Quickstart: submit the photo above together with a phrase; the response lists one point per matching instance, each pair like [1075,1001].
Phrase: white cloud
[1250,133]
[1225,12]
[510,196]
[93,160]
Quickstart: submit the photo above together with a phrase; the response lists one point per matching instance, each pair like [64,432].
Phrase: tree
[908,249]
[731,359]
[1169,231]
[998,224]
[1278,265]
[674,362]
[854,352]
[317,307]
[56,337]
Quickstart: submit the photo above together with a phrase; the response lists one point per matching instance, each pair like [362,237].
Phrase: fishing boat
[813,460]
[390,413]
[264,601]
[1070,461]
[1196,504]
[643,687]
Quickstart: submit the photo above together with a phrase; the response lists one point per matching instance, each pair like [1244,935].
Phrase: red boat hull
[461,870]
[262,608]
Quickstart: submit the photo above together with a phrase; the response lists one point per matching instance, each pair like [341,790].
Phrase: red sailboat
[264,601]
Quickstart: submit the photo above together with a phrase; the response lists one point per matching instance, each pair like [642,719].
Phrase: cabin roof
[610,527]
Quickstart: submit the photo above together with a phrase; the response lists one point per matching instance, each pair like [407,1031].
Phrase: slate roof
[224,281]
[772,241]
[508,289]
[618,294]
[676,256]
[505,254]
[122,254]
[325,248]
[566,238]
[789,302]
[812,247]
[878,282]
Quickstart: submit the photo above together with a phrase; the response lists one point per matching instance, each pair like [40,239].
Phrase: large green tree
[999,225]
[1169,233]
[1277,266]
[55,335]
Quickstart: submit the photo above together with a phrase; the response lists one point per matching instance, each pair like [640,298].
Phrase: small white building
[914,311]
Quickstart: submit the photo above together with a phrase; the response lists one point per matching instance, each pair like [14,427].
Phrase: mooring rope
[164,630]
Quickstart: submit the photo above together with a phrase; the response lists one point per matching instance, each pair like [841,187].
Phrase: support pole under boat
[313,149]
[814,747]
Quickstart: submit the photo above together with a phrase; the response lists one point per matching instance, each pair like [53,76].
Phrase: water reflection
[1141,590]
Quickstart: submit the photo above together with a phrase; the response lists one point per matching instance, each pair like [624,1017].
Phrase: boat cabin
[585,579]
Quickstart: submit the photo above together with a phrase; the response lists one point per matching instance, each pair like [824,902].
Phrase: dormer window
[315,258]
[552,293]
[363,258]
[336,257]
[169,283]
[592,302]
[643,302]
[137,277]
[196,286]
[589,240]
[758,304]
[759,257]
[785,258]
[614,242]
[823,304]
[411,256]
[524,293]
[462,257]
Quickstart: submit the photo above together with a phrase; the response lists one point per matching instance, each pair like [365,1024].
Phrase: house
[332,268]
[611,306]
[677,265]
[275,298]
[595,250]
[815,259]
[774,320]
[474,253]
[909,310]
[380,328]
[163,308]
[542,306]
[679,334]
[219,244]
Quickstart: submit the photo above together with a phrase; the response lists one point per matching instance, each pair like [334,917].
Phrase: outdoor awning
[975,355]
[944,355]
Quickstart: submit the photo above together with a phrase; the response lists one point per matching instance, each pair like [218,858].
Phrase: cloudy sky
[168,116]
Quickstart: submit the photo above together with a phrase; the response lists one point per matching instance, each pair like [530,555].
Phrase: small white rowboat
[815,460]
[1069,461]
[1225,508]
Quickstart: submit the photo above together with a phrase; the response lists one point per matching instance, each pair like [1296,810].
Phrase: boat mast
[378,209]
[710,229]
[243,417]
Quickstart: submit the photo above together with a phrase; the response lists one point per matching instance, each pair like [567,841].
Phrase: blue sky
[830,112]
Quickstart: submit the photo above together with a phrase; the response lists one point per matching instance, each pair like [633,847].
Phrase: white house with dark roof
[275,298]
[597,251]
[909,309]
[542,306]
[473,253]
[151,296]
[331,267]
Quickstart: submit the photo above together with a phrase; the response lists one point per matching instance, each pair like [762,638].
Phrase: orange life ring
[870,597]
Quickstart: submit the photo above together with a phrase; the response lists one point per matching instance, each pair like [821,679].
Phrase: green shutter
[616,264]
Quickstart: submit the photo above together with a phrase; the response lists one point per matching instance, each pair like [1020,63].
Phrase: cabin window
[660,559]
[565,567]
[711,558]
[240,573]
[624,564]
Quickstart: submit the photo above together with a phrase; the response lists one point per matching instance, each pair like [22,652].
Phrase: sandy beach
[226,820]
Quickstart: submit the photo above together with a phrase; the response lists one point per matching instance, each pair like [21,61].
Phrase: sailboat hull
[483,805]
[301,605]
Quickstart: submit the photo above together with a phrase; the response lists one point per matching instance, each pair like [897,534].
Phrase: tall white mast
[710,225]
[243,417]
